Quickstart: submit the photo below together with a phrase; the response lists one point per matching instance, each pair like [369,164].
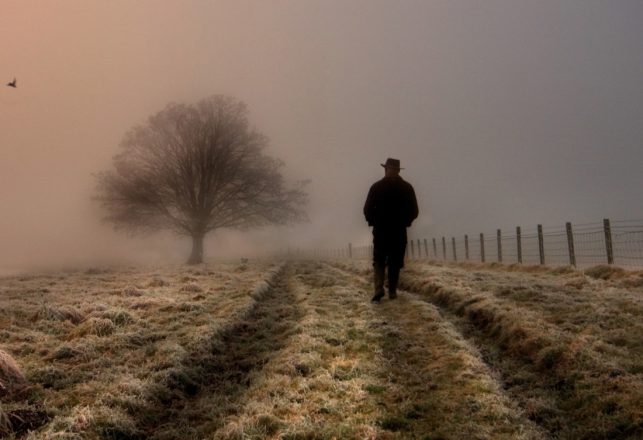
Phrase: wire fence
[617,243]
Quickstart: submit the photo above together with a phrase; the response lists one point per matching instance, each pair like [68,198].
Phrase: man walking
[390,208]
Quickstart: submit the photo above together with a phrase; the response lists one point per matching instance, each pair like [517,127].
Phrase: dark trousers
[389,248]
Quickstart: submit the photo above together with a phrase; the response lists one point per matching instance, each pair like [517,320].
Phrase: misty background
[502,112]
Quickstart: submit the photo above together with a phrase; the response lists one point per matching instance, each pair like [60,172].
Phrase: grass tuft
[120,318]
[303,369]
[551,357]
[268,424]
[64,313]
[50,377]
[112,424]
[393,423]
[603,272]
[374,389]
[11,377]
[132,291]
[191,288]
[95,326]
[158,282]
[5,424]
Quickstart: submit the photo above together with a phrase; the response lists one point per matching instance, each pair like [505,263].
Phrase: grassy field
[296,350]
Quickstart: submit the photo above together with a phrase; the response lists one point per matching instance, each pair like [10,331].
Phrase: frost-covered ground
[216,352]
[92,345]
[566,345]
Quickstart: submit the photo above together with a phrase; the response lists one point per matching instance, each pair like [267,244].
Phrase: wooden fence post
[499,246]
[435,249]
[412,249]
[444,249]
[519,244]
[466,247]
[608,241]
[426,248]
[482,247]
[350,250]
[419,249]
[541,245]
[570,244]
[455,256]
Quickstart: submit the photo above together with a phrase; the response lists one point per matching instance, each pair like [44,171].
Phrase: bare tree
[196,168]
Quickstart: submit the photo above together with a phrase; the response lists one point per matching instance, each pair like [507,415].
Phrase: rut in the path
[564,379]
[562,383]
[437,384]
[212,382]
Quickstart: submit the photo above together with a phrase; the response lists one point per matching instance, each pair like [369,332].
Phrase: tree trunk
[197,249]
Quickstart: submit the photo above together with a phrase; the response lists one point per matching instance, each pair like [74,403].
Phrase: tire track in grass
[121,377]
[563,381]
[432,382]
[594,310]
[314,387]
[333,380]
[209,385]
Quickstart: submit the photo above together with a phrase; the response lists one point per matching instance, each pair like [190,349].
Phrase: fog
[502,113]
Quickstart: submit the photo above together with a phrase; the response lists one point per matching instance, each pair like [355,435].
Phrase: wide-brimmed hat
[392,163]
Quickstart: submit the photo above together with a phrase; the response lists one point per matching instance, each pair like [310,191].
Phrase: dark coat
[391,205]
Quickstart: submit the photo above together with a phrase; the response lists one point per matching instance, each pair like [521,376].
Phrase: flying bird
[12,83]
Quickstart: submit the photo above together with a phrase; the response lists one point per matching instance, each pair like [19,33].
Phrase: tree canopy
[196,168]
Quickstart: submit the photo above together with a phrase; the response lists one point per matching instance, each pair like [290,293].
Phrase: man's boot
[378,281]
[393,278]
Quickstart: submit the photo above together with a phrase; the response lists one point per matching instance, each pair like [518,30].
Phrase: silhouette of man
[390,208]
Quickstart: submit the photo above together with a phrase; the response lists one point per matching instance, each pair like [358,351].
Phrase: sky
[502,112]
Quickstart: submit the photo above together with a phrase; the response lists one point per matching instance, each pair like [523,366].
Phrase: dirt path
[353,369]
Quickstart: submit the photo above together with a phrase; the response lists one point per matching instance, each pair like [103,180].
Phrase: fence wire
[619,242]
[590,248]
[490,248]
[589,244]
[530,249]
[628,245]
[556,251]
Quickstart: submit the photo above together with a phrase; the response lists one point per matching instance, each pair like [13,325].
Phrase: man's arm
[369,207]
[413,210]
